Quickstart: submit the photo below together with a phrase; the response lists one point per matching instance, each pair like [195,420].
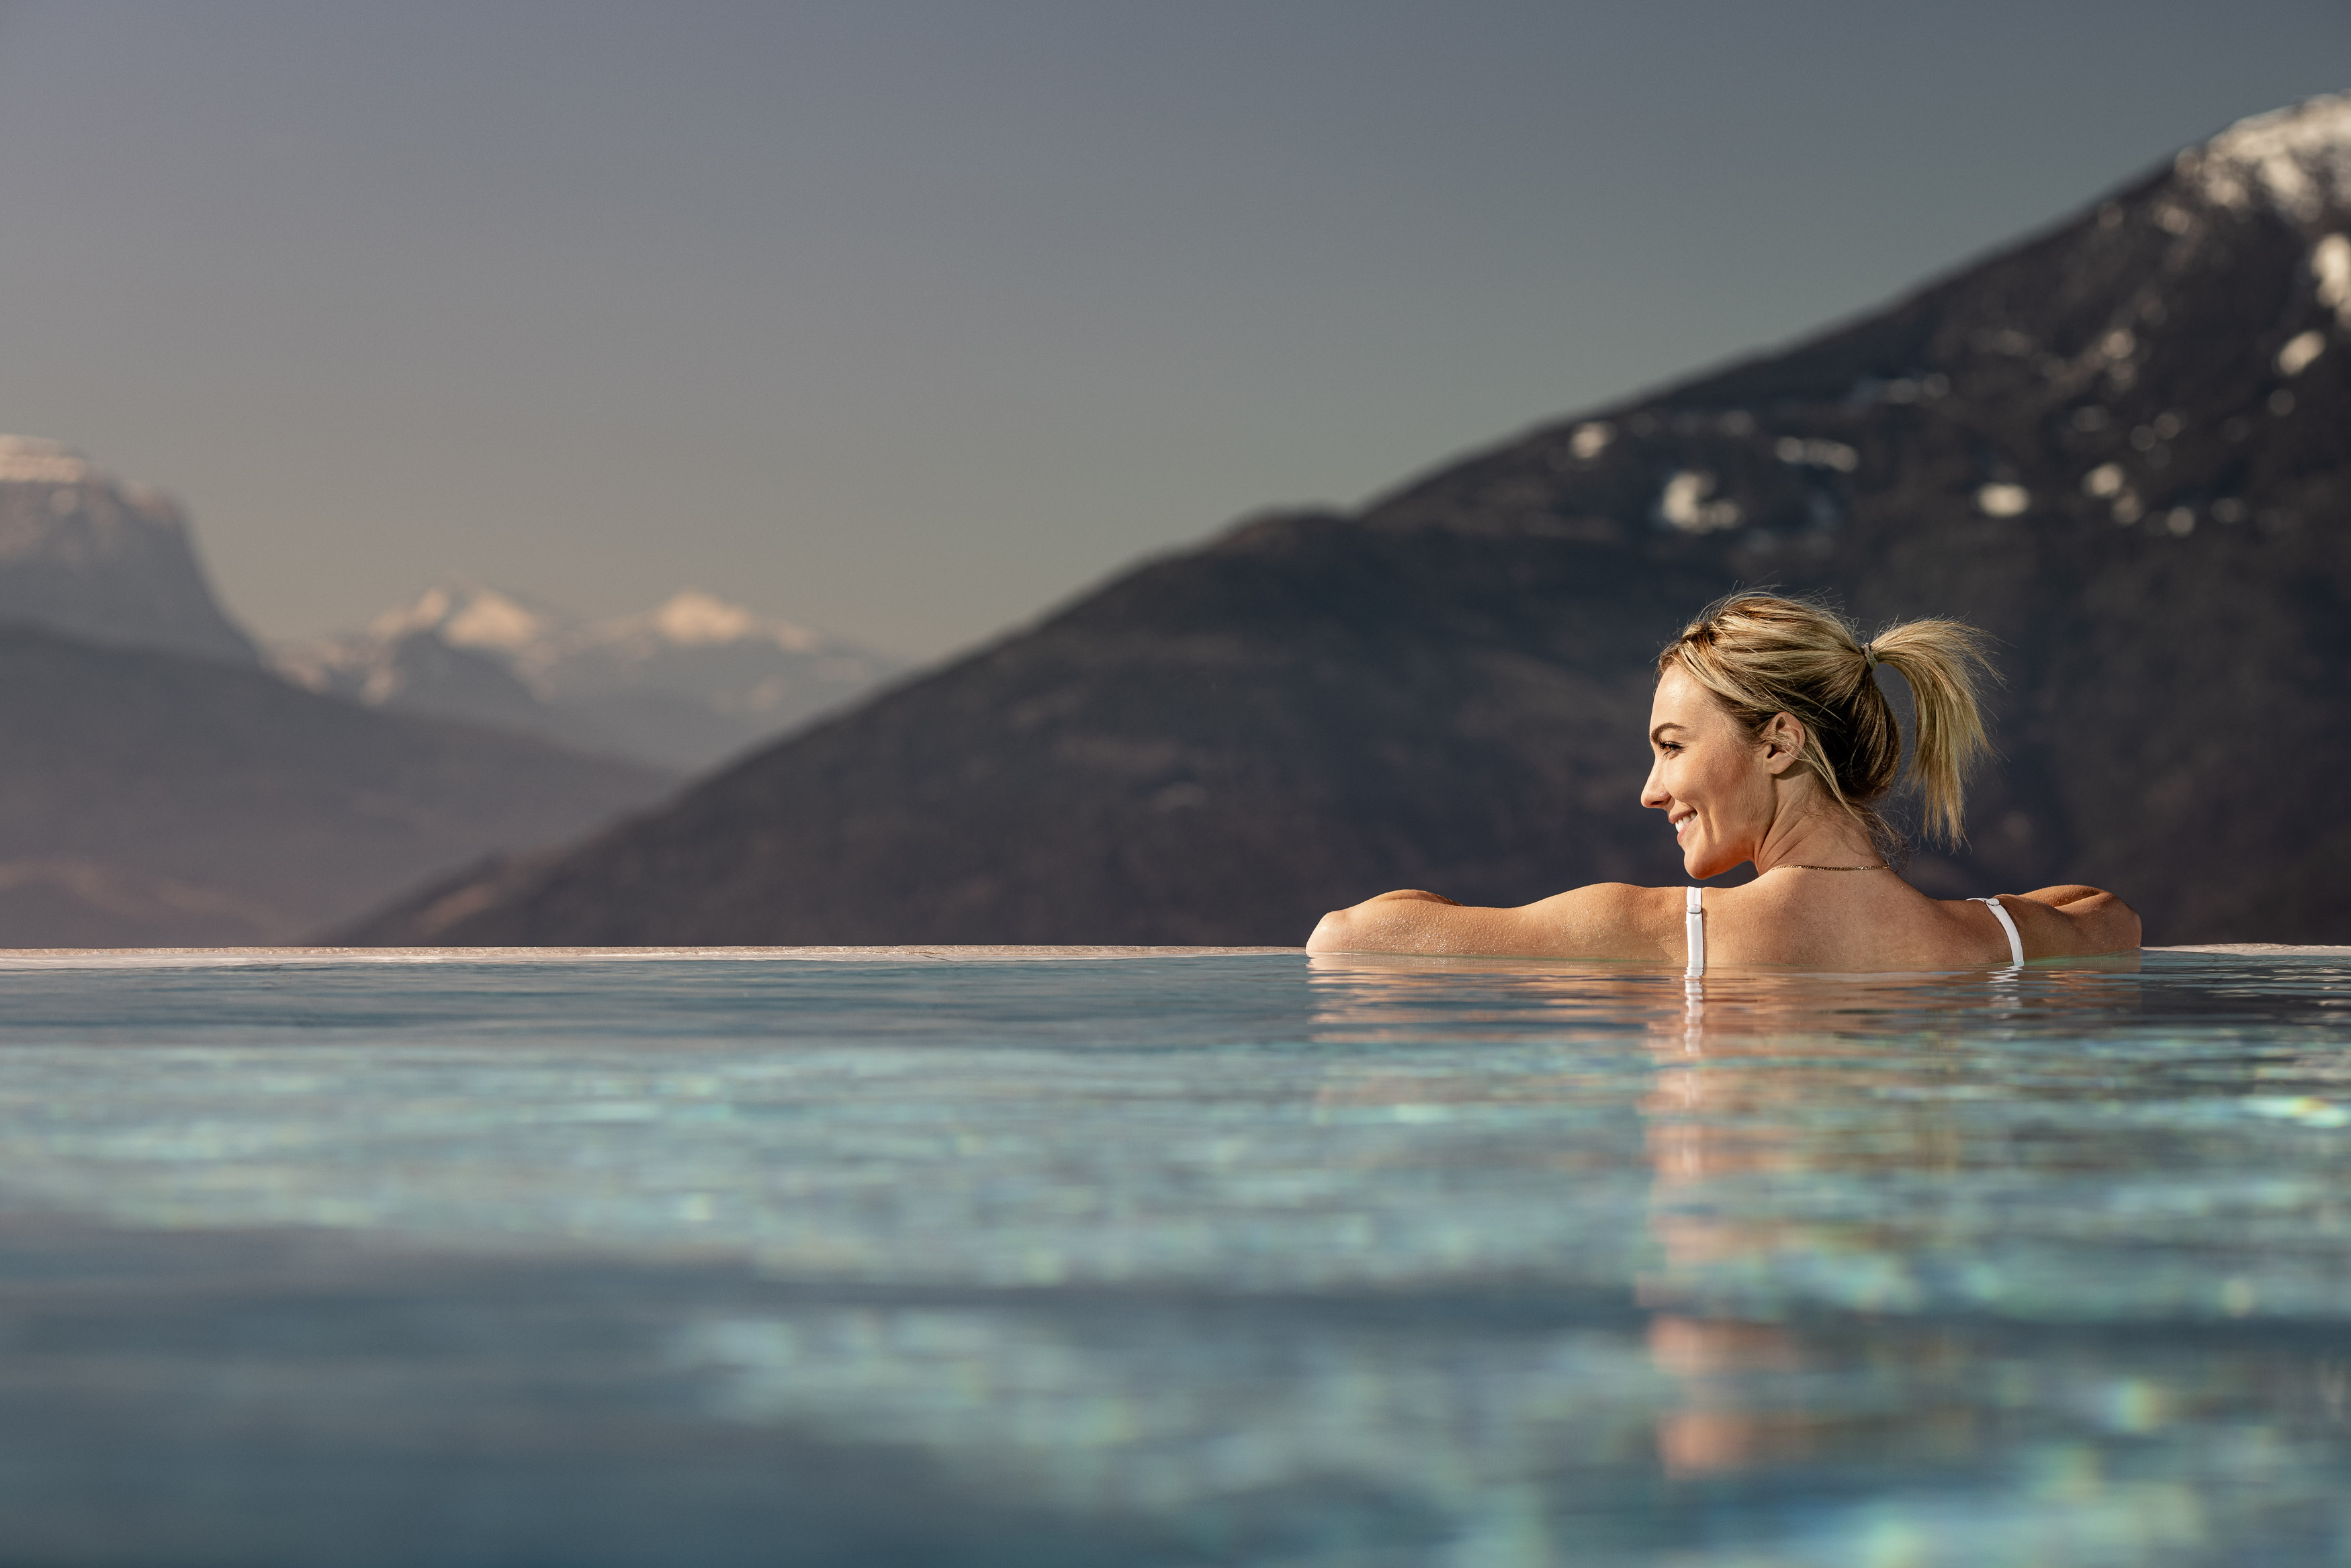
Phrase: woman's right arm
[2088,920]
[1606,921]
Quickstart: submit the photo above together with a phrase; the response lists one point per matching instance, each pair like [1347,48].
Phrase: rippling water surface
[1240,1260]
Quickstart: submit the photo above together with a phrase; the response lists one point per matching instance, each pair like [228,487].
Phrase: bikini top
[1694,928]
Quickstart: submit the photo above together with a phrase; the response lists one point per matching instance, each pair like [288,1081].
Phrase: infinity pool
[1185,1260]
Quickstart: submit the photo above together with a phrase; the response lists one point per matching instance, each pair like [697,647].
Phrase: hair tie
[1869,657]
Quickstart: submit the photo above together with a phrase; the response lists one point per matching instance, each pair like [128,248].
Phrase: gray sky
[912,319]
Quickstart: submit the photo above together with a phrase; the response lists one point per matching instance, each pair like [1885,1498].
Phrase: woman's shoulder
[1621,919]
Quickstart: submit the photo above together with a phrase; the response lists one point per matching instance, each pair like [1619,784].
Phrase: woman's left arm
[2081,921]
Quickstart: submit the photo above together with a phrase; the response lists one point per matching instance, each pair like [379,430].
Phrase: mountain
[682,685]
[98,559]
[150,798]
[455,652]
[2118,446]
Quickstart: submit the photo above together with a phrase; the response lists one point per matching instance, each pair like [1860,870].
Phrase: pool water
[1177,1260]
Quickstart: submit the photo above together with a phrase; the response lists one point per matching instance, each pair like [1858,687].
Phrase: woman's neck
[1814,840]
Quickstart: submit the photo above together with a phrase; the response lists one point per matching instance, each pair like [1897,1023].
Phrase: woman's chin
[1701,864]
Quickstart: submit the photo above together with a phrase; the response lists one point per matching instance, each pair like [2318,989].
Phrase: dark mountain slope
[151,799]
[2120,447]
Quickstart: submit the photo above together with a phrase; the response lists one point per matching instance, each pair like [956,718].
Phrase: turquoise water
[1174,1260]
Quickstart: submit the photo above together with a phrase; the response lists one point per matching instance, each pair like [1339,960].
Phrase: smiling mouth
[1684,822]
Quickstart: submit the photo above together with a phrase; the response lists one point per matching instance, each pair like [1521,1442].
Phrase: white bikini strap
[2015,942]
[1694,929]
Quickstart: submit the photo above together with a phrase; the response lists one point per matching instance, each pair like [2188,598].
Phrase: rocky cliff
[2118,446]
[98,559]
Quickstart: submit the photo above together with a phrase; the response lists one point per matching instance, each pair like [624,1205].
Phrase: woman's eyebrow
[1661,728]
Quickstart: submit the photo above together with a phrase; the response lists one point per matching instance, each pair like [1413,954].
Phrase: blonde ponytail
[1939,658]
[1762,655]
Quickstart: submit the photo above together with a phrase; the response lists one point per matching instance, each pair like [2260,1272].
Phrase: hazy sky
[912,319]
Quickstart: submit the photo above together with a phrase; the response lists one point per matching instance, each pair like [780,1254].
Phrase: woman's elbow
[1332,932]
[2111,925]
[2103,923]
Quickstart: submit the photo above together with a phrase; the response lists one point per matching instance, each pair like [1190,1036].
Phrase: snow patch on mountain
[2330,263]
[467,615]
[1686,504]
[2300,350]
[691,618]
[31,459]
[2296,160]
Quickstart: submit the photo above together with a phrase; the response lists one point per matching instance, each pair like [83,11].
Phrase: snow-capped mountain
[86,555]
[682,684]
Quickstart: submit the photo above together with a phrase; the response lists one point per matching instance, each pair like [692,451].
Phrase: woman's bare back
[1877,921]
[1770,920]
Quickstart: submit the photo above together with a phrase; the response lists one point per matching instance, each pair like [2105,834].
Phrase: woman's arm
[2080,921]
[1606,921]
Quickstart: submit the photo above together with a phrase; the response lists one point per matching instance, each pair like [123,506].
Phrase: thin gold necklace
[1792,865]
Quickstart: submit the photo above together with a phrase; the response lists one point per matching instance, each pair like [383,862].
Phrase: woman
[1771,740]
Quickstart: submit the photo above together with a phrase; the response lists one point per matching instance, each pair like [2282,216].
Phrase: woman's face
[1711,779]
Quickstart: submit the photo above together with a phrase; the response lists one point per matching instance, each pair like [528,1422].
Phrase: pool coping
[931,952]
[2259,950]
[935,952]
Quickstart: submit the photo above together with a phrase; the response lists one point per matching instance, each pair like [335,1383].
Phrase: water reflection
[1784,1080]
[1862,1190]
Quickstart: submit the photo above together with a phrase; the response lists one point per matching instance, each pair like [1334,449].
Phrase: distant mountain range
[2119,446]
[160,784]
[683,685]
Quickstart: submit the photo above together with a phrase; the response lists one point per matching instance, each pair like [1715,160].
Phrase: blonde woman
[1772,742]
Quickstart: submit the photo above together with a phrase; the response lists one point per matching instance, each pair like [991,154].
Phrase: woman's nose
[1653,795]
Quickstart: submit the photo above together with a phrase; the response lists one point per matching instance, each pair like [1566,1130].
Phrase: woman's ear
[1784,743]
